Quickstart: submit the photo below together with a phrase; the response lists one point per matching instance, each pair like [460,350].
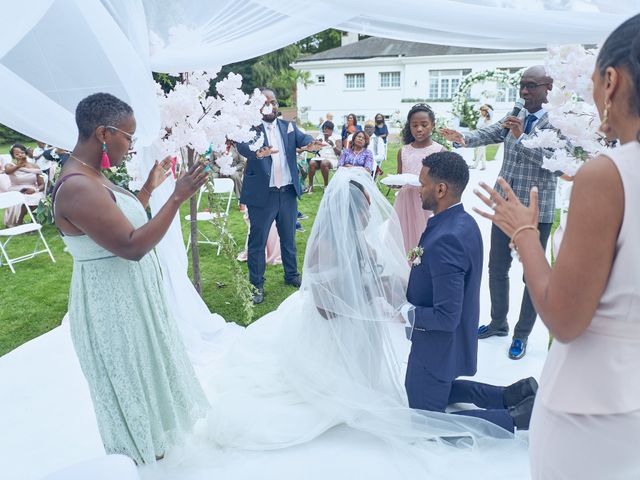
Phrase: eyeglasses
[530,86]
[132,139]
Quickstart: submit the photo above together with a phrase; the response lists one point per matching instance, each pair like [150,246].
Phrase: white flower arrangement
[571,110]
[415,256]
[192,118]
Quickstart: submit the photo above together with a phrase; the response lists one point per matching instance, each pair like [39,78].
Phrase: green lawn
[34,299]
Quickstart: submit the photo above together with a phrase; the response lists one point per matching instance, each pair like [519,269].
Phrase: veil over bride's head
[355,266]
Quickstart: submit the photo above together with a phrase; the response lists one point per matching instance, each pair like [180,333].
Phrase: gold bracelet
[512,243]
[145,191]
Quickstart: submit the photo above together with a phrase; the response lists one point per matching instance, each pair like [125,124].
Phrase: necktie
[528,123]
[275,158]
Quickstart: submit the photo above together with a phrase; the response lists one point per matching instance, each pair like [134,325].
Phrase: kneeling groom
[444,288]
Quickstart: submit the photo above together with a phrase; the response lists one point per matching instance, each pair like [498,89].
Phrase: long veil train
[327,355]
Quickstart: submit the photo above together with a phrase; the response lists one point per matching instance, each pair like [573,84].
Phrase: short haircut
[328,124]
[366,138]
[100,109]
[450,168]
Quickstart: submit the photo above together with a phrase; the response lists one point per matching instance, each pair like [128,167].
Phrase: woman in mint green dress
[144,390]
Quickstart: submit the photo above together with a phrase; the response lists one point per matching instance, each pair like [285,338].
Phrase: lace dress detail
[143,387]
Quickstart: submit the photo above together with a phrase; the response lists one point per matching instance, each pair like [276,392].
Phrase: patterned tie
[275,158]
[528,123]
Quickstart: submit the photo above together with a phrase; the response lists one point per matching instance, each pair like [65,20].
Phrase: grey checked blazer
[522,166]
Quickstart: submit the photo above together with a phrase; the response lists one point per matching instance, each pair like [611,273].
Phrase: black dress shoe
[294,281]
[521,413]
[486,331]
[517,392]
[258,296]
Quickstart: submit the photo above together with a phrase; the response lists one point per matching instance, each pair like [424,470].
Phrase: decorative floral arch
[499,76]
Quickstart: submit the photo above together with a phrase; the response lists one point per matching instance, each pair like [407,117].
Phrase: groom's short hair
[449,168]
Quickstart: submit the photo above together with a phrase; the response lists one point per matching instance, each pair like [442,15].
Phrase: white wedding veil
[329,355]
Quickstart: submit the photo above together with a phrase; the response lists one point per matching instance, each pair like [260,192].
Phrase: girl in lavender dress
[416,136]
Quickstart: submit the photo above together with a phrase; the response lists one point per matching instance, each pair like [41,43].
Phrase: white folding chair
[12,199]
[225,188]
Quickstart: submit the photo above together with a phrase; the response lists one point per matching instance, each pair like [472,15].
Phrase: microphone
[514,113]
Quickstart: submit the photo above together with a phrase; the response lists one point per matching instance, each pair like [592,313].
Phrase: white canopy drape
[53,53]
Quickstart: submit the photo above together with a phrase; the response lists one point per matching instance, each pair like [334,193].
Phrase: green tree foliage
[8,135]
[273,69]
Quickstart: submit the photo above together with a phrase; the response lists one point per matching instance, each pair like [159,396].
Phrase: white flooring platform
[47,420]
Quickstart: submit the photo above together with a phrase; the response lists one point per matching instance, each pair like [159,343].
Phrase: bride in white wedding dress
[326,356]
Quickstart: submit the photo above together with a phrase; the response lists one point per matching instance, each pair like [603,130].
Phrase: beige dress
[586,420]
[24,177]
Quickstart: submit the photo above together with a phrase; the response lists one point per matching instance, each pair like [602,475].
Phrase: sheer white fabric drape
[53,53]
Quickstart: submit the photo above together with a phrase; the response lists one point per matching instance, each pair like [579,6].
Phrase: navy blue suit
[445,290]
[267,204]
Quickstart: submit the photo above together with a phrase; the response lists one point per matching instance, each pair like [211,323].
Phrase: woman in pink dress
[26,178]
[416,136]
[586,416]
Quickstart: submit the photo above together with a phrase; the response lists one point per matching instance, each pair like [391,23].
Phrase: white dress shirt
[274,139]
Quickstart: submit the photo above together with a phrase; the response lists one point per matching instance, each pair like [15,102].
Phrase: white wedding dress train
[328,357]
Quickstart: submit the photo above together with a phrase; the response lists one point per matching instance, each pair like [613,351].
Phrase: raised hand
[190,182]
[314,146]
[452,135]
[158,174]
[266,151]
[509,213]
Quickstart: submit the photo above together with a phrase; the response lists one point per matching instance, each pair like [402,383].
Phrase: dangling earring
[604,124]
[106,163]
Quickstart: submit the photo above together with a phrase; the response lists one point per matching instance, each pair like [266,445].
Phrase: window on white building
[389,79]
[444,83]
[320,78]
[354,81]
[507,93]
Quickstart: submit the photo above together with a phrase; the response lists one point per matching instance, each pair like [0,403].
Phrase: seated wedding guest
[381,129]
[349,128]
[586,419]
[24,177]
[359,155]
[416,137]
[144,390]
[376,143]
[444,291]
[327,156]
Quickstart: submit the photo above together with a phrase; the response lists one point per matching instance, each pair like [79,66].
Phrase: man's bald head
[534,86]
[538,72]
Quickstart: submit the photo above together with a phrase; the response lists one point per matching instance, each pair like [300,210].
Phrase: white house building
[379,75]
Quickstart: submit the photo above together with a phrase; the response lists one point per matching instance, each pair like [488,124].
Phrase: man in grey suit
[522,168]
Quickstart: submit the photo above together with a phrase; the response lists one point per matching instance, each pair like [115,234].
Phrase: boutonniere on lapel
[290,128]
[415,256]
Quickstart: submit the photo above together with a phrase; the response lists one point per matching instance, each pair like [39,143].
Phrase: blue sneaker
[302,216]
[299,228]
[518,348]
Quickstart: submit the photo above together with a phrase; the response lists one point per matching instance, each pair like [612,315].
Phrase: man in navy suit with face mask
[444,290]
[270,190]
